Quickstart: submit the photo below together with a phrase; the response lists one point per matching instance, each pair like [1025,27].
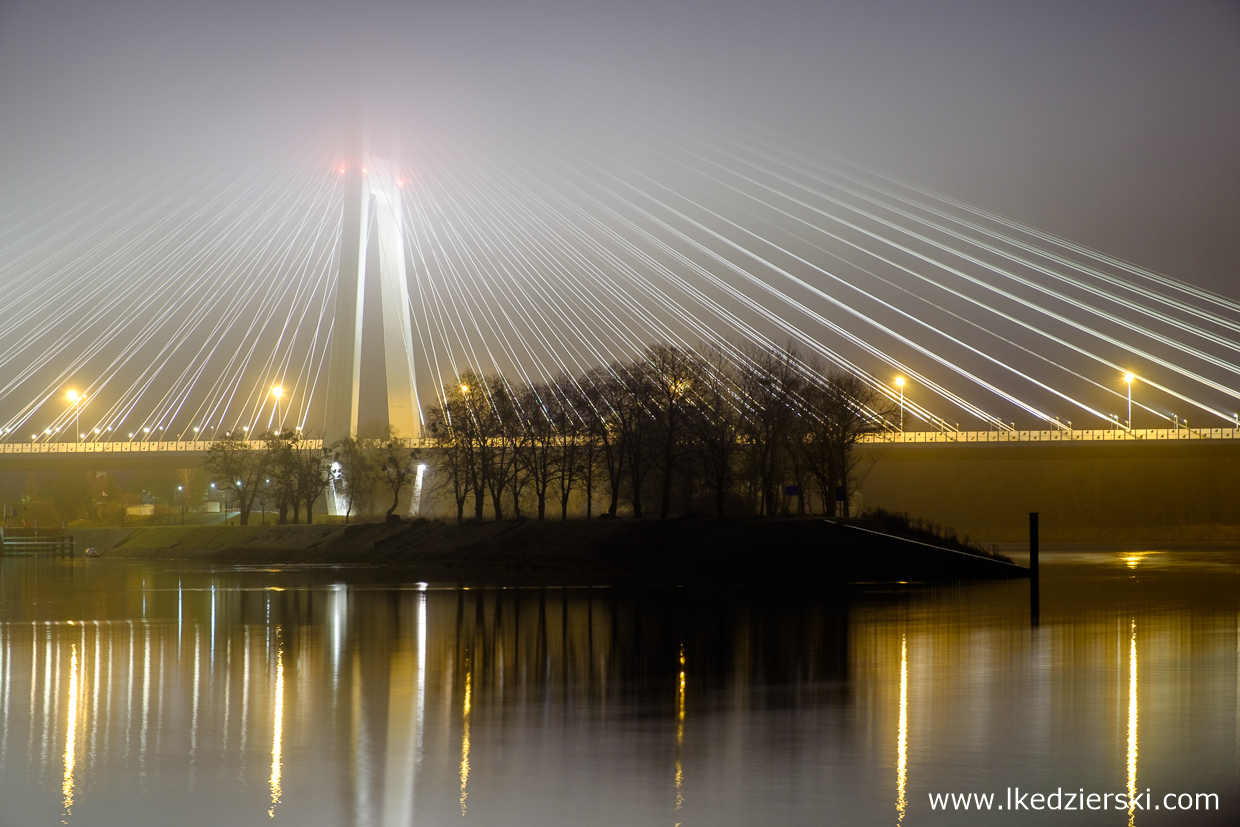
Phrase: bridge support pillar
[372,190]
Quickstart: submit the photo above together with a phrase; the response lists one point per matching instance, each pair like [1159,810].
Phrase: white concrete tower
[372,188]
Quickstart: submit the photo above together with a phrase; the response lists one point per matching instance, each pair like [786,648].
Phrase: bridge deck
[919,437]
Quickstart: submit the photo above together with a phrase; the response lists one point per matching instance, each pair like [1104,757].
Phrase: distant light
[1128,377]
[899,381]
[73,396]
[131,436]
[146,430]
[47,430]
[277,391]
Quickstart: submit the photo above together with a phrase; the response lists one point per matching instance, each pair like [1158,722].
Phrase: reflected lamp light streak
[277,735]
[1132,722]
[465,737]
[66,786]
[680,732]
[902,737]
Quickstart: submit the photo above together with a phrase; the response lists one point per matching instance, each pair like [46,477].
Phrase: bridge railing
[1100,435]
[152,446]
[918,437]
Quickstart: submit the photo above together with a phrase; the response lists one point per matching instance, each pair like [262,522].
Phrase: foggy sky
[1112,123]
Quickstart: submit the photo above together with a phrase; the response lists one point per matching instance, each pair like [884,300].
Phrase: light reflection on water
[325,697]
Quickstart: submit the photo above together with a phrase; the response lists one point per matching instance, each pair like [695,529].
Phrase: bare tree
[236,464]
[605,426]
[397,466]
[851,408]
[452,455]
[310,471]
[669,374]
[717,427]
[771,382]
[568,431]
[357,473]
[535,457]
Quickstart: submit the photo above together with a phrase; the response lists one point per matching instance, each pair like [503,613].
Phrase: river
[138,692]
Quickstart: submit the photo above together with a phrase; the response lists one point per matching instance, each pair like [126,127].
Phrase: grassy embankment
[599,551]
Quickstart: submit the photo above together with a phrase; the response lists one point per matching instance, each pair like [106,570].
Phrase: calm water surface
[136,693]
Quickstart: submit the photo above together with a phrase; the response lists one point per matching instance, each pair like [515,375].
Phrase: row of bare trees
[292,471]
[664,431]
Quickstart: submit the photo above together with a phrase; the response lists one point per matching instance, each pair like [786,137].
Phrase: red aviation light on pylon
[400,182]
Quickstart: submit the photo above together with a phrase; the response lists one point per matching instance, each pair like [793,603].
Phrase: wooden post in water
[1034,597]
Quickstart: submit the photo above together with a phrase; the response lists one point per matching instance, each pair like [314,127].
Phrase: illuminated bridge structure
[102,455]
[146,311]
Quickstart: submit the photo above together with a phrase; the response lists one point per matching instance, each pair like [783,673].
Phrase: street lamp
[181,488]
[77,399]
[1128,377]
[277,392]
[900,385]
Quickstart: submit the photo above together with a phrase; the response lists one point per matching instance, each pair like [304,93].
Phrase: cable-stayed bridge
[174,303]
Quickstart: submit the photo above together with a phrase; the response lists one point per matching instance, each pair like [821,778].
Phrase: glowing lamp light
[1128,377]
[277,391]
[73,396]
[899,381]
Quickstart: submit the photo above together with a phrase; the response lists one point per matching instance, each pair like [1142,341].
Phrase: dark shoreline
[632,552]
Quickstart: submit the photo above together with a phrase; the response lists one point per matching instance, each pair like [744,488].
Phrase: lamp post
[277,392]
[1128,377]
[900,385]
[77,399]
[181,489]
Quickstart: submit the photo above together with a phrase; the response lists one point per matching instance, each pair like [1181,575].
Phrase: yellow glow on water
[277,736]
[680,733]
[902,738]
[1132,559]
[1132,722]
[465,739]
[71,732]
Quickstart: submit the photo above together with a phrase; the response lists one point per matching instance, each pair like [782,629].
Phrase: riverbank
[597,551]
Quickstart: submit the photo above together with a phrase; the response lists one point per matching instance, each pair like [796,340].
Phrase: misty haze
[554,412]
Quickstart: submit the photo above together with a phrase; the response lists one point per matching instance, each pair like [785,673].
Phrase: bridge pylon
[372,191]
